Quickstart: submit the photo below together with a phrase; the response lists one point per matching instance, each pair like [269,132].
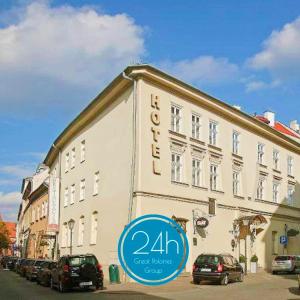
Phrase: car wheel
[241,277]
[196,281]
[99,286]
[224,280]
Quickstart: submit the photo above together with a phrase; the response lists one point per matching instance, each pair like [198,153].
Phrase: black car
[220,268]
[33,268]
[24,266]
[8,262]
[44,273]
[80,271]
[18,264]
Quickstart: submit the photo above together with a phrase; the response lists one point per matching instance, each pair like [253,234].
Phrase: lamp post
[71,226]
[246,223]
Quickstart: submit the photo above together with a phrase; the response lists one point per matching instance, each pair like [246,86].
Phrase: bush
[242,258]
[292,232]
[254,258]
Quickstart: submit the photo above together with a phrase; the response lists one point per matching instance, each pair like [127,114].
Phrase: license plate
[205,270]
[86,283]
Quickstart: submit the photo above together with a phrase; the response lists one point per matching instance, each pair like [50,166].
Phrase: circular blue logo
[153,249]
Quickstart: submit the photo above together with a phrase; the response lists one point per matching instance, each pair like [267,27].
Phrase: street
[260,285]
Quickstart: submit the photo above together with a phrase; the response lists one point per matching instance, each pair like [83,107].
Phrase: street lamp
[71,226]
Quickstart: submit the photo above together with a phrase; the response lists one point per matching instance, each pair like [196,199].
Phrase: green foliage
[242,258]
[254,258]
[292,232]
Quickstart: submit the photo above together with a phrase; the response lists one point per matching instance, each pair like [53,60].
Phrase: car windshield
[208,259]
[79,260]
[282,258]
[39,262]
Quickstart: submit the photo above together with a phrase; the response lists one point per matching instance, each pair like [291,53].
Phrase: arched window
[94,228]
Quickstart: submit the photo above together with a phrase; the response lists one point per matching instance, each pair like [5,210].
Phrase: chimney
[269,115]
[295,126]
[237,107]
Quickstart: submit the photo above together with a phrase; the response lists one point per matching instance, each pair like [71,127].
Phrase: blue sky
[55,56]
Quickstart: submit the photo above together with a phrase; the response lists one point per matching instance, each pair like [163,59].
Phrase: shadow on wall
[280,225]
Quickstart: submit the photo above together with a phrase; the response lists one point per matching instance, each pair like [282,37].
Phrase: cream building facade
[150,143]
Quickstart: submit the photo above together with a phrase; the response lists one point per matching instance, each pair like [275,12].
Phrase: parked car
[81,271]
[18,264]
[221,268]
[32,269]
[24,266]
[285,263]
[9,262]
[44,273]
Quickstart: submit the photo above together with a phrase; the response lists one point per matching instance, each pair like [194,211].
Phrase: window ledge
[217,191]
[72,167]
[277,171]
[262,165]
[237,156]
[239,197]
[215,147]
[93,244]
[82,161]
[291,176]
[200,187]
[179,183]
[197,141]
[177,134]
[95,194]
[80,245]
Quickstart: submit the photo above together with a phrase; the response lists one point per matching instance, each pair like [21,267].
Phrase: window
[276,160]
[175,118]
[70,232]
[33,216]
[276,186]
[196,172]
[290,197]
[37,213]
[96,183]
[82,151]
[274,242]
[64,236]
[260,153]
[72,197]
[46,208]
[176,170]
[66,197]
[261,189]
[67,162]
[213,177]
[43,210]
[73,156]
[211,206]
[235,142]
[290,166]
[94,228]
[82,190]
[213,131]
[196,125]
[81,231]
[236,183]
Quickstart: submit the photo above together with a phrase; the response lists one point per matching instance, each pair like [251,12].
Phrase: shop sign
[202,222]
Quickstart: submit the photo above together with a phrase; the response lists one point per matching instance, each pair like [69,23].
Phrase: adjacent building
[150,143]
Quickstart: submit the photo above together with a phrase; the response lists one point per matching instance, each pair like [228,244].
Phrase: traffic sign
[283,239]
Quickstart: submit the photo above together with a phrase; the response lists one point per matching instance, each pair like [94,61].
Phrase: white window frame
[82,190]
[82,151]
[196,126]
[213,132]
[66,197]
[236,183]
[94,228]
[176,167]
[72,194]
[261,189]
[67,162]
[176,118]
[260,153]
[96,183]
[235,142]
[276,191]
[290,194]
[73,158]
[290,165]
[214,177]
[276,160]
[81,225]
[197,176]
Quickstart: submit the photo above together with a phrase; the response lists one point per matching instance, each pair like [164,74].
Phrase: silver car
[285,263]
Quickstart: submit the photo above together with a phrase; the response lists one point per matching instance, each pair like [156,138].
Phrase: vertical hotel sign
[53,210]
[155,149]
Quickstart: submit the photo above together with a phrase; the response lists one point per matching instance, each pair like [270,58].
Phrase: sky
[56,56]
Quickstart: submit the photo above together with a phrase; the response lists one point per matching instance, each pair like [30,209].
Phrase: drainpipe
[59,188]
[133,157]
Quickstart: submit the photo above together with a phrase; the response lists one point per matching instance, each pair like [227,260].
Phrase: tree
[4,236]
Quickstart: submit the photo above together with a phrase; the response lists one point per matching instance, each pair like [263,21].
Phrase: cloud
[281,53]
[17,171]
[11,198]
[203,70]
[52,54]
[256,85]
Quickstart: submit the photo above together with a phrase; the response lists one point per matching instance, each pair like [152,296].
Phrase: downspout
[56,250]
[133,157]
